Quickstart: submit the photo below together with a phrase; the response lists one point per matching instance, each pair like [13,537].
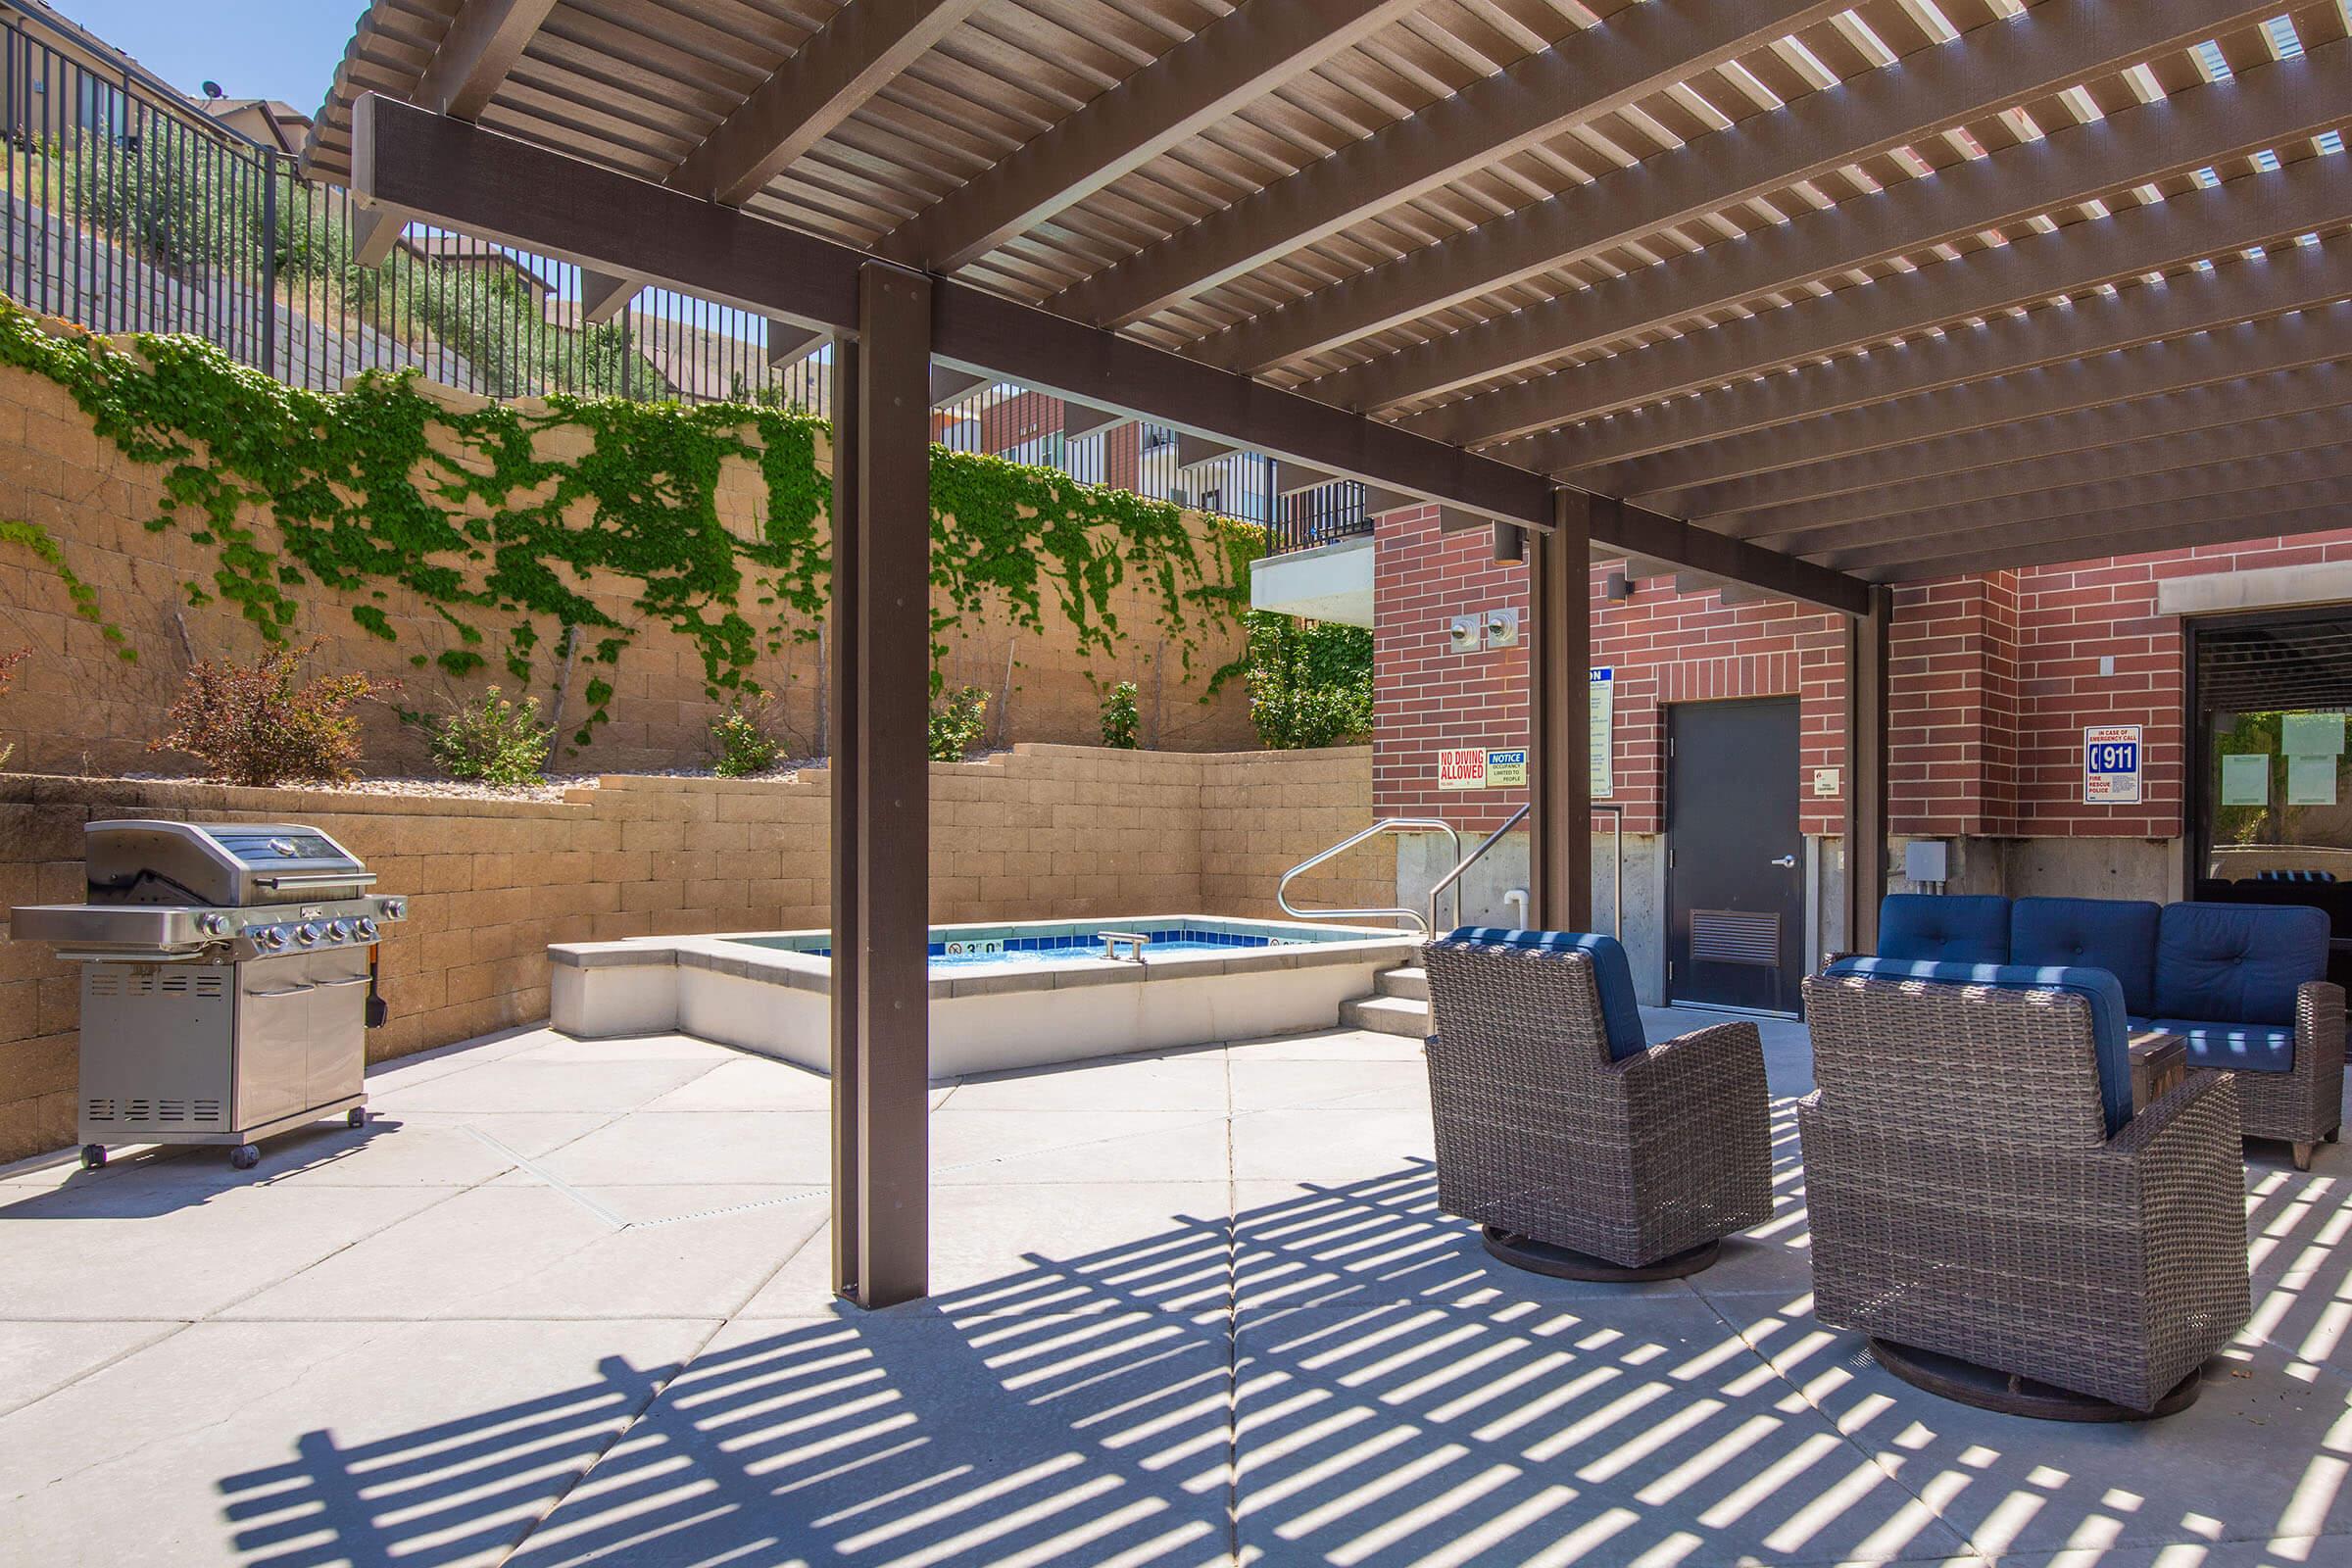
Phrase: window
[2273,794]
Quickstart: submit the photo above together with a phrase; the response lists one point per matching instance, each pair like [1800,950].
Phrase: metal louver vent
[1736,936]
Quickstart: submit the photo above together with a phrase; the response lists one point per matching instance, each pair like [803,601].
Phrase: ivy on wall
[496,518]
[85,599]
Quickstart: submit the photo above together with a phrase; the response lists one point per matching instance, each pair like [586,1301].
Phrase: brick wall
[1042,832]
[76,707]
[1993,681]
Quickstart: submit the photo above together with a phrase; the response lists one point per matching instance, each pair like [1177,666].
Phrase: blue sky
[283,49]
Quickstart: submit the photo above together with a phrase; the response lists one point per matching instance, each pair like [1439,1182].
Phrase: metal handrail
[1462,865]
[1392,825]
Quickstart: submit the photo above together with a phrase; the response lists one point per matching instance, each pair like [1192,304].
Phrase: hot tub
[1003,996]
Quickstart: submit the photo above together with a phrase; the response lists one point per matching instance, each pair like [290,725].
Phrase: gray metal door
[1734,871]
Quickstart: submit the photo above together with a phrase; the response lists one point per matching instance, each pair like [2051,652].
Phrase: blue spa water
[1166,941]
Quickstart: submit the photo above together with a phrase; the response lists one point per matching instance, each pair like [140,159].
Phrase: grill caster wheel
[244,1157]
[357,1117]
[94,1156]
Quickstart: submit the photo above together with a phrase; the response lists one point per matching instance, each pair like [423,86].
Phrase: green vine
[36,538]
[498,516]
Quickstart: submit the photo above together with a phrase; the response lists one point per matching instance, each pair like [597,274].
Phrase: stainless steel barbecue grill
[228,982]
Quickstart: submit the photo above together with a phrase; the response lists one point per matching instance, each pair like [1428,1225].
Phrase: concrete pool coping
[723,988]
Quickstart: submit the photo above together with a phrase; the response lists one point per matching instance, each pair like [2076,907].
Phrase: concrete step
[1388,1015]
[1413,983]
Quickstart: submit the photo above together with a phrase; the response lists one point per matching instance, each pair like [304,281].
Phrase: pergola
[1785,296]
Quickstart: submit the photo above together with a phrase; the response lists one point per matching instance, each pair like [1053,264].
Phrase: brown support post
[1560,717]
[1866,771]
[881,793]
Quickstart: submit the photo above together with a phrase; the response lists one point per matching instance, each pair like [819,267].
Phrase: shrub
[745,746]
[957,727]
[1309,684]
[252,724]
[493,741]
[1120,720]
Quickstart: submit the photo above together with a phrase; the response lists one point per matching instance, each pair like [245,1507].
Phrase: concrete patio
[565,1303]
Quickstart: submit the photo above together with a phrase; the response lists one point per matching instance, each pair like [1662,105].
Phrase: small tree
[493,741]
[745,746]
[253,724]
[1121,722]
[958,727]
[1310,684]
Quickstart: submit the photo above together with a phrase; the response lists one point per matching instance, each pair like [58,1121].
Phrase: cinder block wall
[1047,831]
[76,708]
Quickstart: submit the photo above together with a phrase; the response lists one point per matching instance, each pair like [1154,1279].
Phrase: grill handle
[319,879]
[131,956]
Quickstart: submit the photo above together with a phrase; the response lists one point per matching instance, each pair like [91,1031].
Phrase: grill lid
[222,865]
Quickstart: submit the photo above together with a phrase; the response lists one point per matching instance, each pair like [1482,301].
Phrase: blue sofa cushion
[1945,928]
[2240,963]
[2117,935]
[2109,1034]
[2235,1047]
[1620,1010]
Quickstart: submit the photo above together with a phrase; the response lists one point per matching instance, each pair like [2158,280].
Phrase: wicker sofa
[2243,984]
[1580,1149]
[1974,1193]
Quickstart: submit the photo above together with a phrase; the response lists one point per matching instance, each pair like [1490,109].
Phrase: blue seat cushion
[2109,1034]
[1620,1008]
[1945,928]
[2117,935]
[2240,963]
[2236,1046]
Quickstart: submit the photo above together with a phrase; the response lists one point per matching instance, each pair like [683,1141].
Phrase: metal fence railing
[1321,515]
[129,209]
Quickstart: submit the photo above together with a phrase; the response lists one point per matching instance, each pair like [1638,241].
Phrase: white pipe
[1517,898]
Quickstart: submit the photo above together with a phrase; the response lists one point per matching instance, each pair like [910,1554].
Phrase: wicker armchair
[1968,1200]
[1579,1148]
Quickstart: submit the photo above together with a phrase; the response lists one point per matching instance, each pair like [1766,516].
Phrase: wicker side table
[2159,1063]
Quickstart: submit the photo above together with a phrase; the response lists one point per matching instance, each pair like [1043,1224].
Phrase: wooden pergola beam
[2213,519]
[788,344]
[1860,475]
[850,58]
[2101,348]
[1225,66]
[525,195]
[1638,51]
[2312,196]
[1838,522]
[2268,108]
[604,295]
[1924,533]
[484,40]
[2046,49]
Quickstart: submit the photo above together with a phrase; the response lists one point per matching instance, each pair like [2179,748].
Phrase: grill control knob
[396,909]
[306,934]
[272,937]
[367,930]
[213,926]
[339,931]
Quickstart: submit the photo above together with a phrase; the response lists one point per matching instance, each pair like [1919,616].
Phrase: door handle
[1787,860]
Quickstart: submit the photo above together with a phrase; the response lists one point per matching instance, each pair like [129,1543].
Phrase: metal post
[1560,718]
[269,166]
[881,793]
[1866,771]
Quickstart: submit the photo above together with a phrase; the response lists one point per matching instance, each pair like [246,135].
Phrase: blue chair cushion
[1620,1008]
[2117,935]
[2236,1046]
[1945,928]
[2240,963]
[2110,1035]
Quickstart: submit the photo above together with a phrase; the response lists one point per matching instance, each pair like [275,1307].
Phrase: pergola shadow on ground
[1340,1376]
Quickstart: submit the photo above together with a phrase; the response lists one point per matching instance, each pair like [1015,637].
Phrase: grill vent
[106,982]
[99,1110]
[1736,936]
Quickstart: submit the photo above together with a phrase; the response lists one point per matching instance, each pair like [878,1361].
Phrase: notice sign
[2111,765]
[1604,726]
[1506,771]
[1462,768]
